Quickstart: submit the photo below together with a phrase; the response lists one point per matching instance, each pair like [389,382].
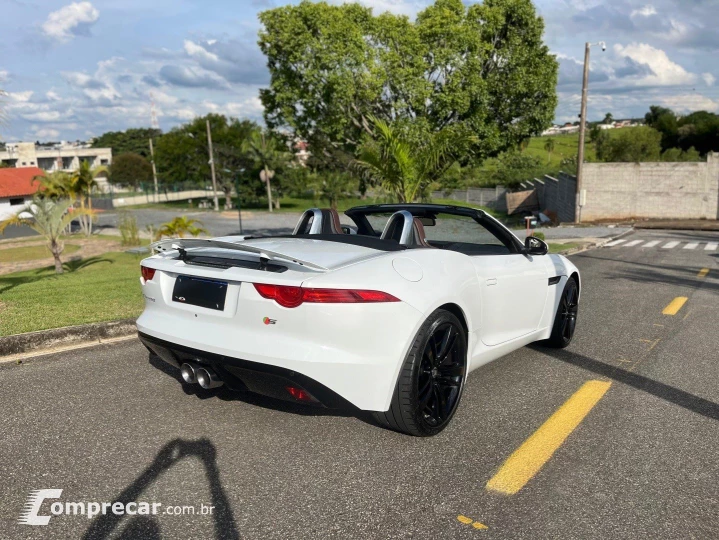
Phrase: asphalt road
[106,424]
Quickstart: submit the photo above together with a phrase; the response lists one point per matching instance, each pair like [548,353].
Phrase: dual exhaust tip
[204,376]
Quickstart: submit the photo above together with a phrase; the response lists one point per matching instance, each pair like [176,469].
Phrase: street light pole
[579,202]
[212,167]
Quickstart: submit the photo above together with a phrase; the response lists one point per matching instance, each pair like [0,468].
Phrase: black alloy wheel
[441,374]
[565,321]
[432,378]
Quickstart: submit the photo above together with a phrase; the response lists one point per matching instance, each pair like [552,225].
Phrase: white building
[63,156]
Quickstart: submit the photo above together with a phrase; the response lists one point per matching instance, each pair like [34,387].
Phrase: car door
[513,290]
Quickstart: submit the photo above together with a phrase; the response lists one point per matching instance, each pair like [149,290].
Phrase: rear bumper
[353,350]
[239,374]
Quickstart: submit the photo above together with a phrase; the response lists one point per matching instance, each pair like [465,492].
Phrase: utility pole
[154,170]
[582,135]
[212,167]
[582,132]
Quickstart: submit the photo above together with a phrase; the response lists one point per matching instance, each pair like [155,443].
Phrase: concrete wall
[557,195]
[492,197]
[652,190]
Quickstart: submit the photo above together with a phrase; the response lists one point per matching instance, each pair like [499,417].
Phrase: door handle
[491,281]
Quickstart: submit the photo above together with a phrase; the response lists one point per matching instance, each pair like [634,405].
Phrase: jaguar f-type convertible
[388,309]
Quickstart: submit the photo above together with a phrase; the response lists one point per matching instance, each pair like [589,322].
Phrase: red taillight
[299,394]
[147,273]
[290,297]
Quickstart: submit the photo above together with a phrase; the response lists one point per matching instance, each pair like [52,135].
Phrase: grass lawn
[32,253]
[95,289]
[558,248]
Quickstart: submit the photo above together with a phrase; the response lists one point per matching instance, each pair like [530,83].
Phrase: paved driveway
[108,424]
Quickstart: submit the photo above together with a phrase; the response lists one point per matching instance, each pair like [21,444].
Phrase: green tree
[49,218]
[131,141]
[83,182]
[633,145]
[270,154]
[482,69]
[130,169]
[608,118]
[549,148]
[333,186]
[179,227]
[181,155]
[390,159]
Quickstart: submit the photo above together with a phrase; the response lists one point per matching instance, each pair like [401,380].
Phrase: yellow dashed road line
[467,520]
[529,458]
[703,273]
[675,305]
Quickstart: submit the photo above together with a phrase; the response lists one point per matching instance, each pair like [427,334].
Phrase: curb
[62,337]
[594,245]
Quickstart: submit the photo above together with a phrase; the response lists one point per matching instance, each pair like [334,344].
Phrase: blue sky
[77,69]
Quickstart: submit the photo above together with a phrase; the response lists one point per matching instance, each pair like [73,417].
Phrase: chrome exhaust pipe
[208,379]
[189,372]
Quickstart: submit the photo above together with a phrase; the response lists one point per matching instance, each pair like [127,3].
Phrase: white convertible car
[389,314]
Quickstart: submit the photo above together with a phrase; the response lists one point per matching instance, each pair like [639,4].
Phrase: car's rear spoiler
[172,244]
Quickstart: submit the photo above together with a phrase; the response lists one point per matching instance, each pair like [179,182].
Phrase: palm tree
[267,152]
[549,147]
[49,218]
[179,227]
[403,168]
[56,185]
[83,182]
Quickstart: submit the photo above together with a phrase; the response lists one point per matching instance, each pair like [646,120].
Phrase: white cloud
[43,116]
[70,21]
[20,97]
[4,75]
[686,103]
[646,11]
[655,67]
[47,133]
[52,95]
[709,79]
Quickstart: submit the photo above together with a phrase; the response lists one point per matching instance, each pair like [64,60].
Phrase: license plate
[195,291]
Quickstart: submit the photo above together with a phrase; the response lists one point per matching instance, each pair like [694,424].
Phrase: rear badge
[267,320]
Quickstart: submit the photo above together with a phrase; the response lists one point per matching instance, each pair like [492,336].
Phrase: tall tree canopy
[480,70]
[133,140]
[182,154]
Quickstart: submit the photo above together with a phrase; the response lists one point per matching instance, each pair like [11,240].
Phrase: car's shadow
[258,400]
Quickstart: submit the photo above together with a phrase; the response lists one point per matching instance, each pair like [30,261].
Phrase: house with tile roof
[17,187]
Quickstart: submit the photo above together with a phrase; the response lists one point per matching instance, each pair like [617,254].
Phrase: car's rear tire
[431,380]
[565,320]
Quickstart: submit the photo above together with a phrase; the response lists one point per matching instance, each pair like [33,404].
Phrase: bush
[633,145]
[128,229]
[514,168]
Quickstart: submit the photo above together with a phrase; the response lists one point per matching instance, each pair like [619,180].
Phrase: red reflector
[147,273]
[299,394]
[290,297]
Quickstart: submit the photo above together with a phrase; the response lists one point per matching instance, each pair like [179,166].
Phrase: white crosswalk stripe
[633,243]
[711,246]
[693,245]
[652,243]
[670,245]
[615,243]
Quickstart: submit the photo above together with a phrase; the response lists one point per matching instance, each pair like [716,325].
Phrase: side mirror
[535,246]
